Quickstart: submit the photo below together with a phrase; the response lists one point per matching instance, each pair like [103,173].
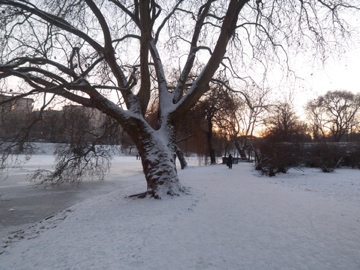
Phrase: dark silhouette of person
[230,161]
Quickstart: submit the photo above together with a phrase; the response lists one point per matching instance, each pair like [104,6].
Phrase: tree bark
[181,157]
[240,150]
[158,153]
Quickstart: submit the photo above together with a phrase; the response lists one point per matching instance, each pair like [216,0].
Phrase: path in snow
[271,226]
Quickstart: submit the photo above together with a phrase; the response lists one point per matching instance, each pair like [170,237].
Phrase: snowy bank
[233,219]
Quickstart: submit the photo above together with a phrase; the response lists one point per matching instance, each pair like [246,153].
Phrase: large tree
[283,125]
[240,126]
[107,54]
[334,115]
[211,110]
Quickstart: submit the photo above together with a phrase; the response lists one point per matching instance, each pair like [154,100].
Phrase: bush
[273,158]
[352,157]
[325,156]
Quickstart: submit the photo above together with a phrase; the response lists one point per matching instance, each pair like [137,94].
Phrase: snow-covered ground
[232,219]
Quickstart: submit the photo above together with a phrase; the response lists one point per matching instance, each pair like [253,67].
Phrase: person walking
[230,161]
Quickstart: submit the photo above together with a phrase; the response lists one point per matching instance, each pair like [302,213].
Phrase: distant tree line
[221,123]
[330,137]
[72,124]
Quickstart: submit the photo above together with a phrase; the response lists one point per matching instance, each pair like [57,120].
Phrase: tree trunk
[158,160]
[240,150]
[181,157]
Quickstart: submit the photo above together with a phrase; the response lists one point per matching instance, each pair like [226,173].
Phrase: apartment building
[14,114]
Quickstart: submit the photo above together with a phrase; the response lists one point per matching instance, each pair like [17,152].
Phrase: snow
[231,219]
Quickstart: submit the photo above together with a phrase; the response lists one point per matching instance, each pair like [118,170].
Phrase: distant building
[96,117]
[21,105]
[82,123]
[14,114]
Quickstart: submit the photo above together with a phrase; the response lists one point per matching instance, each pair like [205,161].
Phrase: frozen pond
[23,203]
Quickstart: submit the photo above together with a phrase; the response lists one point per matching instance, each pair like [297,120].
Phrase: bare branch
[54,20]
[203,12]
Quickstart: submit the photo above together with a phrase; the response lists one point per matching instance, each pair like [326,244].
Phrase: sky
[315,78]
[337,74]
[340,71]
